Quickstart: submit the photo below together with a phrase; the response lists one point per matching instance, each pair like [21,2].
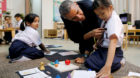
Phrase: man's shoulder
[85,3]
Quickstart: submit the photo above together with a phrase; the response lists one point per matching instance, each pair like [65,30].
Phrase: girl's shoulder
[30,30]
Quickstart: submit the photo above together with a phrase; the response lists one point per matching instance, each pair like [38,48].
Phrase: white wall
[37,9]
[47,14]
[16,6]
[130,6]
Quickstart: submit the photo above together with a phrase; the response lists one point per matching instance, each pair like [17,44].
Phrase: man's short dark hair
[65,7]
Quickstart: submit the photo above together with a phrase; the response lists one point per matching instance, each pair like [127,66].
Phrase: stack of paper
[33,73]
[51,53]
[134,74]
[62,67]
[83,74]
[37,75]
[68,53]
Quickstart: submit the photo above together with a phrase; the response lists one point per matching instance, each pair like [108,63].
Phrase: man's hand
[97,33]
[80,60]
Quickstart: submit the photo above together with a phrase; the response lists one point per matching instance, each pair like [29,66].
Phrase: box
[50,33]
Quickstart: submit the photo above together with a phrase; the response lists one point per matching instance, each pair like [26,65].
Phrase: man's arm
[74,30]
[97,33]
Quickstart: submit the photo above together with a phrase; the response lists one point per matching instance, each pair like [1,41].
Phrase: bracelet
[85,55]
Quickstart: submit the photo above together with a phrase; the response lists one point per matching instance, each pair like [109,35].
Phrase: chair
[125,36]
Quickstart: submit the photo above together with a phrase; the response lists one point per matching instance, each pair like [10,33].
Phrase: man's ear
[111,7]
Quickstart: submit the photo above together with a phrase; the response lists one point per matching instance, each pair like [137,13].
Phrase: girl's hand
[47,51]
[105,72]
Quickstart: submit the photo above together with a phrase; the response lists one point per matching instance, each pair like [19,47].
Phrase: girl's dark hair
[19,15]
[28,18]
[99,3]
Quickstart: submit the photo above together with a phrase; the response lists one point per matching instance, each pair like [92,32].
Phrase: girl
[107,58]
[24,43]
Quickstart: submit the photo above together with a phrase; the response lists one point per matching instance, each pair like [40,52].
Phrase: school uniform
[7,35]
[24,44]
[98,58]
[17,25]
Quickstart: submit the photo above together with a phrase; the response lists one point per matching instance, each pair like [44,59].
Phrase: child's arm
[106,70]
[43,48]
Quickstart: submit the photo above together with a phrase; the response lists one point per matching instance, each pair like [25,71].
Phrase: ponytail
[22,26]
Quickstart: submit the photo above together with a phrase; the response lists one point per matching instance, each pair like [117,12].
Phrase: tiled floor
[132,54]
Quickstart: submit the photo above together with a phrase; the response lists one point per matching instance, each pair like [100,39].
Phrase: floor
[132,54]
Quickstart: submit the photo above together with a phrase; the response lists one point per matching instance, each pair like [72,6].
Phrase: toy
[58,76]
[67,62]
[69,76]
[42,67]
[89,70]
[52,63]
[56,62]
[56,65]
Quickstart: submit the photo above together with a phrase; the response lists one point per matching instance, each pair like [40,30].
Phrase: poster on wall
[2,6]
[56,14]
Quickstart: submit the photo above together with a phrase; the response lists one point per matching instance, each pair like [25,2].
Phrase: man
[81,23]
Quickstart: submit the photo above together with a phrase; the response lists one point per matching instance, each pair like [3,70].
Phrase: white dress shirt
[30,36]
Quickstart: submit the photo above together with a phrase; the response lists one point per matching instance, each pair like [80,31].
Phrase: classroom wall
[130,6]
[16,6]
[47,15]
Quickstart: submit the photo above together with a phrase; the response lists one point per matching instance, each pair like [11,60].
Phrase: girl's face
[104,13]
[35,23]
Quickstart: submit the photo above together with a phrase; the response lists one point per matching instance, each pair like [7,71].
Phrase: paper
[51,53]
[68,53]
[83,74]
[62,67]
[38,75]
[52,46]
[134,74]
[29,71]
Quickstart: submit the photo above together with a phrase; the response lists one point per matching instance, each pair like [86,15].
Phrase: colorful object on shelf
[67,62]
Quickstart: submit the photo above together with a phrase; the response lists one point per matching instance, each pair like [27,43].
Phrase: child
[7,24]
[107,58]
[19,20]
[24,44]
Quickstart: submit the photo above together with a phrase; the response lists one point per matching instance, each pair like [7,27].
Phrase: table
[133,31]
[12,30]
